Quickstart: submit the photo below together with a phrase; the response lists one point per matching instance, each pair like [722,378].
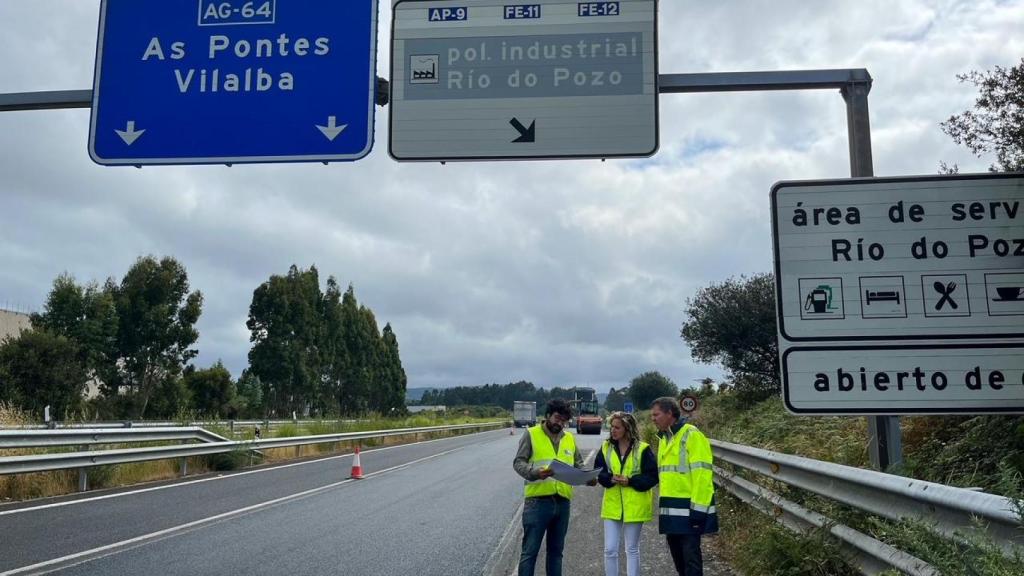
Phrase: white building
[12,323]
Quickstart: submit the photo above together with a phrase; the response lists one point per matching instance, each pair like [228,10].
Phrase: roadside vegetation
[958,451]
[126,349]
[28,486]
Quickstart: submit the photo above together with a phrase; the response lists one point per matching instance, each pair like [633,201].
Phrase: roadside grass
[30,486]
[757,546]
[983,452]
[25,486]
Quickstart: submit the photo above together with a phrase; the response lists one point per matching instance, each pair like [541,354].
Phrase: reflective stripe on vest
[673,512]
[543,453]
[684,468]
[622,502]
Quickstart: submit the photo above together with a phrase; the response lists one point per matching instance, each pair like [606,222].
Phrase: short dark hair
[668,404]
[558,406]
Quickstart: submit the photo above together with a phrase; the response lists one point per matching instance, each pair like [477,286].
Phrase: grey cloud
[557,272]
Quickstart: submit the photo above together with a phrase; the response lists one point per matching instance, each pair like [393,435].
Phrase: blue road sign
[628,407]
[226,81]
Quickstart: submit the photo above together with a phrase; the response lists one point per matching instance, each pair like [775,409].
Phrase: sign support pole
[884,439]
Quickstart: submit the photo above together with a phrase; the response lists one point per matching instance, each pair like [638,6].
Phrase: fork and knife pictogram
[946,290]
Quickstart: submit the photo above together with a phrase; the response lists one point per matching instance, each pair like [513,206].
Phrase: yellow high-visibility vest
[543,455]
[686,500]
[622,502]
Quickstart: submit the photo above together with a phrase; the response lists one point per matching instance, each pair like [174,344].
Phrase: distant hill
[414,394]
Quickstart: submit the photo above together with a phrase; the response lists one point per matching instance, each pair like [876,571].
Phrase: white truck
[524,413]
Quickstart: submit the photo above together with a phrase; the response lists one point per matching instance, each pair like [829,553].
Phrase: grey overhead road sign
[901,295]
[492,80]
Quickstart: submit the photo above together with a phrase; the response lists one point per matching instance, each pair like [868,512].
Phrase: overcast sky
[560,273]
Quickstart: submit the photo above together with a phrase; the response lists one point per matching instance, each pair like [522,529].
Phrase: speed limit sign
[688,404]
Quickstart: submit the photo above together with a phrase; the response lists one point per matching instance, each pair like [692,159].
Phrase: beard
[554,428]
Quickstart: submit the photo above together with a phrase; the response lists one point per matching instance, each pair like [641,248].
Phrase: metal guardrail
[170,424]
[48,462]
[949,511]
[12,439]
[869,555]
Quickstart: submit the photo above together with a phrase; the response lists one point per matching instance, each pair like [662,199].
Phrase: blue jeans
[544,515]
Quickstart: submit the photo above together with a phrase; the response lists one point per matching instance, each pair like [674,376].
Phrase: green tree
[334,361]
[394,381]
[616,400]
[285,325]
[170,399]
[499,395]
[84,314]
[212,390]
[649,386]
[156,328]
[359,335]
[39,369]
[250,395]
[997,122]
[707,387]
[733,323]
[322,350]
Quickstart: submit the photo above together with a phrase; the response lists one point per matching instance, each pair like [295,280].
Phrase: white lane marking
[211,479]
[512,532]
[113,548]
[506,541]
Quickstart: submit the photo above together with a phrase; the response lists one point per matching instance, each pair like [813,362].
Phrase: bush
[224,461]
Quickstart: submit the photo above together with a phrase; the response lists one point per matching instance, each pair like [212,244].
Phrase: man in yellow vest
[546,509]
[686,503]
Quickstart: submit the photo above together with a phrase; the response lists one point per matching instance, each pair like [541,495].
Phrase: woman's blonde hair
[628,422]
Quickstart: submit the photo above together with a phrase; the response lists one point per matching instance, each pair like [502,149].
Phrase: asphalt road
[438,507]
[447,507]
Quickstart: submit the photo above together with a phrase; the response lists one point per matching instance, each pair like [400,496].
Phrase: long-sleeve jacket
[642,482]
[686,503]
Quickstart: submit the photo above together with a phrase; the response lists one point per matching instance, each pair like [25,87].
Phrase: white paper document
[569,475]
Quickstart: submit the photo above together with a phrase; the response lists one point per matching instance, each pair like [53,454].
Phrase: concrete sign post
[226,81]
[901,295]
[490,80]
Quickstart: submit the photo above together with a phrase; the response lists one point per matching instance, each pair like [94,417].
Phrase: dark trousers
[544,515]
[685,549]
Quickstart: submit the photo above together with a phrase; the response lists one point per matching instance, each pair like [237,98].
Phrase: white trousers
[613,530]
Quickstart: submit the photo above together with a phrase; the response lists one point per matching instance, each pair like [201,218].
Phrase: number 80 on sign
[688,404]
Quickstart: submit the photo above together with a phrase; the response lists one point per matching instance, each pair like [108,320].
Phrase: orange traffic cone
[357,468]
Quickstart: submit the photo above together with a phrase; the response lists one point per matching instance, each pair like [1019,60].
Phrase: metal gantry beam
[667,84]
[761,81]
[54,100]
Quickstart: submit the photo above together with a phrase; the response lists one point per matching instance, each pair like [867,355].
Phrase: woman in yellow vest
[628,472]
